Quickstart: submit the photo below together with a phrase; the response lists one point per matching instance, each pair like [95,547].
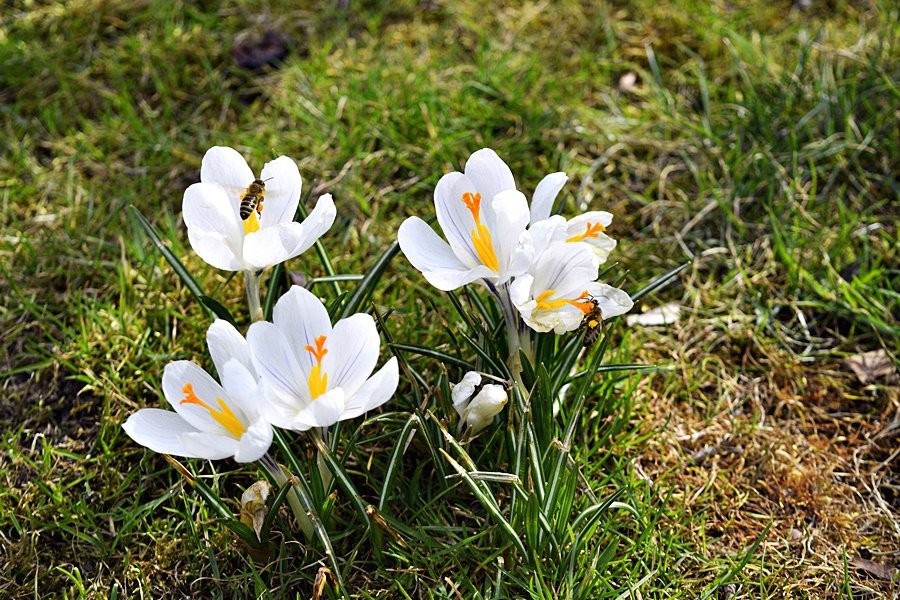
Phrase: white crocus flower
[269,235]
[477,412]
[482,216]
[587,227]
[210,421]
[314,374]
[559,290]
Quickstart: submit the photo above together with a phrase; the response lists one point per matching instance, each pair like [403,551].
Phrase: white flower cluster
[297,372]
[546,266]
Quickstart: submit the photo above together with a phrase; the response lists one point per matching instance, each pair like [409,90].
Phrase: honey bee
[590,324]
[253,198]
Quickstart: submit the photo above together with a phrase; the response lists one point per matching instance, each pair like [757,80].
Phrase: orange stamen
[224,416]
[592,231]
[481,237]
[318,381]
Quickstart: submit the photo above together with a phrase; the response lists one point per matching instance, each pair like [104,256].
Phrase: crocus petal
[563,264]
[160,430]
[283,184]
[611,300]
[255,442]
[242,386]
[276,362]
[434,258]
[209,445]
[354,352]
[225,344]
[511,210]
[541,235]
[545,195]
[301,317]
[225,167]
[484,406]
[376,390]
[324,411]
[464,390]
[277,243]
[182,373]
[455,218]
[489,173]
[214,228]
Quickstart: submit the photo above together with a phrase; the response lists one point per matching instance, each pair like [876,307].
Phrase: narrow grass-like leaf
[659,282]
[435,354]
[488,503]
[396,460]
[212,306]
[363,290]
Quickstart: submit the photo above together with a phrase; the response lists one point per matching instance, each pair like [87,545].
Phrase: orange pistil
[481,237]
[592,231]
[582,302]
[224,416]
[318,381]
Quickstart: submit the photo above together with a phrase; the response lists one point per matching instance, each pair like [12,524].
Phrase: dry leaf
[322,579]
[661,315]
[253,506]
[870,366]
[873,568]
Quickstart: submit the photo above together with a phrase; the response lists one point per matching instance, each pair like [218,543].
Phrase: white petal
[464,390]
[276,362]
[483,407]
[181,373]
[489,173]
[283,184]
[324,411]
[225,343]
[601,243]
[545,195]
[432,256]
[511,210]
[157,429]
[541,235]
[612,301]
[271,245]
[242,386]
[214,229]
[225,167]
[564,267]
[455,218]
[301,317]
[255,442]
[209,445]
[353,348]
[377,390]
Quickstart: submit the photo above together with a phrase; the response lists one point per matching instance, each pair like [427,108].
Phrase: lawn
[758,143]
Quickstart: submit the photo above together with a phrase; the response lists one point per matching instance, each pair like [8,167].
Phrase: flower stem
[256,311]
[281,476]
[519,338]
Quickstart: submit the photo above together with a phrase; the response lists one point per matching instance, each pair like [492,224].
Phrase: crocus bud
[477,413]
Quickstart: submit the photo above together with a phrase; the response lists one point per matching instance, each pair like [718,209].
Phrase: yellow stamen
[251,223]
[224,416]
[592,231]
[545,303]
[318,381]
[481,237]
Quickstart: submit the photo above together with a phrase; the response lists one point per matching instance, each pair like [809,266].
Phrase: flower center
[592,231]
[251,223]
[224,416]
[481,237]
[546,302]
[317,381]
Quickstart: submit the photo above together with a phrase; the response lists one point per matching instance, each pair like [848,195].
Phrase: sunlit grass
[760,143]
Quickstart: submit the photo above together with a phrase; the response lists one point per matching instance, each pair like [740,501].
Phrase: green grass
[761,142]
